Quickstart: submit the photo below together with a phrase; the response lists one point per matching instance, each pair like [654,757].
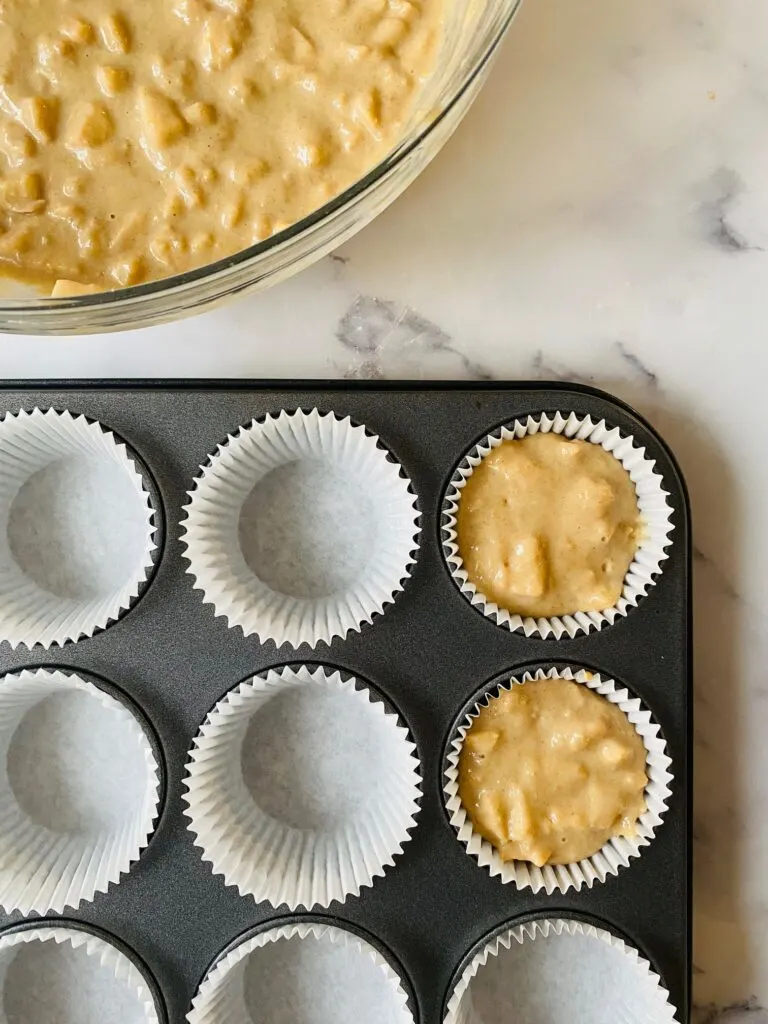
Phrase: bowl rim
[186,282]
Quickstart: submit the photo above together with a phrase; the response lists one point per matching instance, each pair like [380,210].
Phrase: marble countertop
[601,215]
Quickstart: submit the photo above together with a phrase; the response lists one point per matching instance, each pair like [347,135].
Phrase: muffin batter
[141,139]
[548,526]
[550,771]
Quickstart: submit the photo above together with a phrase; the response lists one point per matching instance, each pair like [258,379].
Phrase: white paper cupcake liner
[221,997]
[268,858]
[576,973]
[42,869]
[29,443]
[243,461]
[616,853]
[652,501]
[116,965]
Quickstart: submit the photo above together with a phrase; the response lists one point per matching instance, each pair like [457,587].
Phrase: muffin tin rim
[153,985]
[244,385]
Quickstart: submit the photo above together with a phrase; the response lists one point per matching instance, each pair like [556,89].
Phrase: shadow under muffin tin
[409,657]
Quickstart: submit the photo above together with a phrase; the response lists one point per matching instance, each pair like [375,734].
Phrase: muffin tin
[425,659]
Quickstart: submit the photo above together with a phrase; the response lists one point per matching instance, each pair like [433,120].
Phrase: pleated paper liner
[652,500]
[303,970]
[63,970]
[52,597]
[368,554]
[615,854]
[558,970]
[354,768]
[53,856]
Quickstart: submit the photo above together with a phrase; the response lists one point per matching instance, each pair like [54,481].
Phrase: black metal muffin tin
[427,654]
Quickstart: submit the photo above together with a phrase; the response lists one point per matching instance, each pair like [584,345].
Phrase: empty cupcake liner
[618,852]
[43,869]
[221,997]
[31,442]
[117,965]
[270,859]
[577,973]
[652,501]
[243,461]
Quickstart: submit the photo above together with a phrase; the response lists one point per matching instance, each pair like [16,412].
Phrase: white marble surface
[601,215]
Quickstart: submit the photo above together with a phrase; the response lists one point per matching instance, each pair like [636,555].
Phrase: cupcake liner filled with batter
[301,528]
[605,521]
[302,787]
[77,537]
[302,971]
[560,971]
[63,971]
[79,790]
[509,823]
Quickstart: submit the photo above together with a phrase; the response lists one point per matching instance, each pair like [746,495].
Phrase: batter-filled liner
[619,851]
[653,504]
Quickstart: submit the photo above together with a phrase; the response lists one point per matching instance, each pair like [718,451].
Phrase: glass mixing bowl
[472,38]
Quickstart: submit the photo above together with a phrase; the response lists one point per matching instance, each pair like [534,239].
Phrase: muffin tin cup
[213,514]
[270,859]
[590,960]
[616,853]
[220,998]
[29,443]
[117,960]
[653,504]
[42,869]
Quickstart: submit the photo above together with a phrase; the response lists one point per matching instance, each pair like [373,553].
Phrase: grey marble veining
[394,341]
[746,1012]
